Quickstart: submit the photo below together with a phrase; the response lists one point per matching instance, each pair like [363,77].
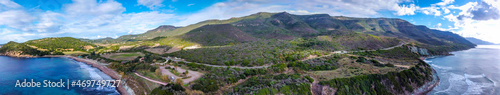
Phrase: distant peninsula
[479,41]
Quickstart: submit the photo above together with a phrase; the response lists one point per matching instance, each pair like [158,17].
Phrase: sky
[23,20]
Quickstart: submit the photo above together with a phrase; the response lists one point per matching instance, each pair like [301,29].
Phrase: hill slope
[20,50]
[285,26]
[221,34]
[60,44]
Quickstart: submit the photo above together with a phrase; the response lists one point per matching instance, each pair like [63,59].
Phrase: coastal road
[151,80]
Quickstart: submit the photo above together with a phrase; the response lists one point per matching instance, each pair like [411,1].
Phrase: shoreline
[113,74]
[428,87]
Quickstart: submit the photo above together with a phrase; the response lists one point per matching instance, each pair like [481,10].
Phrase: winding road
[151,80]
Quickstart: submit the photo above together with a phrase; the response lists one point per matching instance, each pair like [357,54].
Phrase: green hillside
[305,53]
[22,49]
[60,44]
[217,35]
[287,26]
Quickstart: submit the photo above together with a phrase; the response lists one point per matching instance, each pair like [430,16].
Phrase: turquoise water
[53,69]
[473,71]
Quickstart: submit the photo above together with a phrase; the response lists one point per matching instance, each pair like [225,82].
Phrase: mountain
[20,50]
[157,32]
[479,41]
[161,30]
[285,26]
[216,35]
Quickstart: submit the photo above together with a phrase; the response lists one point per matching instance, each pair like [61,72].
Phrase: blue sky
[22,20]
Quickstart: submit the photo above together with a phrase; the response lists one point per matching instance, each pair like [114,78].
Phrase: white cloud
[227,10]
[91,7]
[152,4]
[81,19]
[446,10]
[485,30]
[237,8]
[470,22]
[15,18]
[133,23]
[9,4]
[48,22]
[438,25]
[431,11]
[190,4]
[407,10]
[13,35]
[445,2]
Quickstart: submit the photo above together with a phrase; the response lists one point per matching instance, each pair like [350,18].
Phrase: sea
[49,69]
[468,72]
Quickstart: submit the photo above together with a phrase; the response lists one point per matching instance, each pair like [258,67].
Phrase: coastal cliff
[16,54]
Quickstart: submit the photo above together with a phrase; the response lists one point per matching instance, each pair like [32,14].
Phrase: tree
[186,73]
[179,81]
[195,92]
[158,72]
[165,78]
[175,65]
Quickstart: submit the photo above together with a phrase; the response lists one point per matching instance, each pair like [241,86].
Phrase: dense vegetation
[169,89]
[317,64]
[396,53]
[383,84]
[137,64]
[61,44]
[22,48]
[219,77]
[223,76]
[218,35]
[246,54]
[294,84]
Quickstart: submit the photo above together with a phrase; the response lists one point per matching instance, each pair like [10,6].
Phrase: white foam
[441,67]
[460,83]
[455,82]
[475,88]
[427,61]
[92,71]
[475,76]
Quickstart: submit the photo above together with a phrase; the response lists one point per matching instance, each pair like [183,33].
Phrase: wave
[92,71]
[475,76]
[427,61]
[460,83]
[441,67]
[476,87]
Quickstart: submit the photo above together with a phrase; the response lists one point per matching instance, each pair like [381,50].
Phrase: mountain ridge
[287,26]
[479,41]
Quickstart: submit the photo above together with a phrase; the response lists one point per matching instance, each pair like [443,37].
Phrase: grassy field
[75,53]
[123,56]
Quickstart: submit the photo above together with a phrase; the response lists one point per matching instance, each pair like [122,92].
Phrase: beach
[113,74]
